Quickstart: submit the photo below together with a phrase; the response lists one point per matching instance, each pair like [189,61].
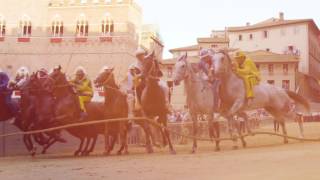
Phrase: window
[286,84]
[285,69]
[2,27]
[270,82]
[240,37]
[270,69]
[25,26]
[268,49]
[265,34]
[107,25]
[57,27]
[82,29]
[214,46]
[251,36]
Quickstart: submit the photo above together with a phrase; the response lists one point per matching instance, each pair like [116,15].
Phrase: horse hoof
[286,142]
[235,147]
[106,153]
[173,152]
[126,153]
[149,150]
[76,153]
[217,149]
[44,152]
[119,153]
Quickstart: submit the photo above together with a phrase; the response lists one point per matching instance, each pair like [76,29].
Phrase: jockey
[134,74]
[83,87]
[22,74]
[246,69]
[206,66]
[6,93]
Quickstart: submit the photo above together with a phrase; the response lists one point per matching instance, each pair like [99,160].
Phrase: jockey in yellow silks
[246,69]
[83,87]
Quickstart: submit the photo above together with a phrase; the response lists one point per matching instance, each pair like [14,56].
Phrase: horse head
[151,67]
[222,63]
[180,69]
[105,78]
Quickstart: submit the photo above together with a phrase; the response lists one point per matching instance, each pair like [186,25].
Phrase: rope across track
[152,122]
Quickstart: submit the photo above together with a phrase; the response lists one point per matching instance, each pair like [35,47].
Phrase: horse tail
[299,99]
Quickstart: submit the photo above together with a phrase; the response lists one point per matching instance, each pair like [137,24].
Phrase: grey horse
[199,99]
[280,103]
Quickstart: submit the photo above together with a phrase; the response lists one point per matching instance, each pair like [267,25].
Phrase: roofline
[246,28]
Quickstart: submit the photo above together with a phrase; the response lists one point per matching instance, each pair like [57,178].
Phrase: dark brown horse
[153,99]
[116,106]
[67,111]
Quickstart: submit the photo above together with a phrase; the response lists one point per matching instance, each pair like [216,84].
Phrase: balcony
[81,39]
[23,39]
[56,39]
[105,39]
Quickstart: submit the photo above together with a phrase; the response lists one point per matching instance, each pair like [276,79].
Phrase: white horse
[199,98]
[281,104]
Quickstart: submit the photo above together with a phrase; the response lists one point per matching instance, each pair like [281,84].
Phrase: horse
[281,104]
[26,120]
[67,111]
[199,99]
[116,106]
[154,100]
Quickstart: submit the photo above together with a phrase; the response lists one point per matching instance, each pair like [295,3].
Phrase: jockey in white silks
[135,85]
[206,66]
[22,75]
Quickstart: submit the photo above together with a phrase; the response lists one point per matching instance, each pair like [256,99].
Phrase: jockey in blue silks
[206,66]
[7,93]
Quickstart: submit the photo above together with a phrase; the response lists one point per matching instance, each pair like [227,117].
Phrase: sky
[181,22]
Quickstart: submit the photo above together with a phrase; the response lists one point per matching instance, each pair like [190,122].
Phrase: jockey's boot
[83,116]
[249,101]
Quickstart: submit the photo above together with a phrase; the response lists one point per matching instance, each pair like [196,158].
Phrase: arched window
[107,25]
[57,27]
[2,26]
[82,28]
[25,26]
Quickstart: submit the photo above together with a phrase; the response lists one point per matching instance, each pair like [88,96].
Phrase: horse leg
[77,152]
[284,130]
[300,122]
[216,132]
[86,147]
[51,141]
[27,143]
[148,135]
[93,144]
[246,120]
[231,132]
[195,133]
[239,127]
[124,140]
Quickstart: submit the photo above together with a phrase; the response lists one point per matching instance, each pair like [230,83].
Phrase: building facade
[70,33]
[297,37]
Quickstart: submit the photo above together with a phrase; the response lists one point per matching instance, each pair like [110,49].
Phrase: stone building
[298,37]
[71,33]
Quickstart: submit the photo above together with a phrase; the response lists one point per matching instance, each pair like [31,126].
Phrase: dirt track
[265,158]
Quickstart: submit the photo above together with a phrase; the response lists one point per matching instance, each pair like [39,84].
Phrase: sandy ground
[266,158]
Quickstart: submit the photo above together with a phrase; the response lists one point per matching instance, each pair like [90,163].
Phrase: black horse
[153,99]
